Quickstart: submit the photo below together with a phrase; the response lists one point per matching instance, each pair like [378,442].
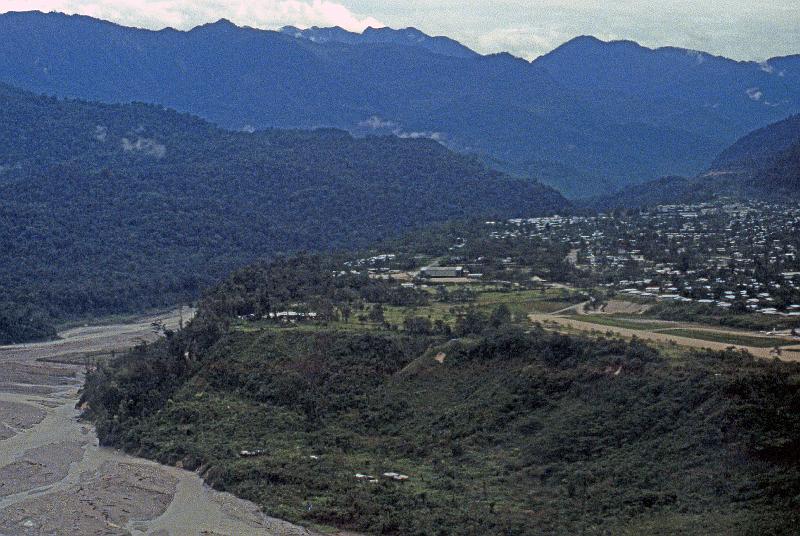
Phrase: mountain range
[588,118]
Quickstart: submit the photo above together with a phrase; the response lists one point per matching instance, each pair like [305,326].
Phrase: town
[732,255]
[736,256]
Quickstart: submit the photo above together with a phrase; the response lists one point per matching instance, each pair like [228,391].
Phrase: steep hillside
[782,176]
[115,207]
[764,164]
[760,148]
[590,129]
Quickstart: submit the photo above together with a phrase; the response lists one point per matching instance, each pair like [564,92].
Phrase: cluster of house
[288,316]
[252,453]
[761,302]
[369,262]
[281,316]
[722,253]
[427,274]
[390,475]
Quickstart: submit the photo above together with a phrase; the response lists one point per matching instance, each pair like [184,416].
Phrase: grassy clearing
[436,311]
[526,302]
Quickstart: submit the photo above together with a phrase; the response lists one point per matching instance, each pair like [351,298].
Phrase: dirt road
[56,480]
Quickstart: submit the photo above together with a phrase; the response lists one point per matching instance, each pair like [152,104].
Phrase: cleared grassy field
[521,303]
[525,302]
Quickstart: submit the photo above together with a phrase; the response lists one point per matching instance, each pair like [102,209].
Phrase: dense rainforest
[373,418]
[115,208]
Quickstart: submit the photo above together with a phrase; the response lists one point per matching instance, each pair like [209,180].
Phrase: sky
[739,29]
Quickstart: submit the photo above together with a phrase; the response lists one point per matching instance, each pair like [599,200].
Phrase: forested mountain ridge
[530,118]
[110,208]
[733,92]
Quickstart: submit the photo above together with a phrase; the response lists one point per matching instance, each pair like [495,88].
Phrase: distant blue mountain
[589,117]
[676,82]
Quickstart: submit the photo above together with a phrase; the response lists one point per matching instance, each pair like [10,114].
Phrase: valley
[354,280]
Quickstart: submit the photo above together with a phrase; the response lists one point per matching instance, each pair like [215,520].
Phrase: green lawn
[525,302]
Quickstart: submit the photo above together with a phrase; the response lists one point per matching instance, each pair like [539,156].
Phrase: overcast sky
[741,29]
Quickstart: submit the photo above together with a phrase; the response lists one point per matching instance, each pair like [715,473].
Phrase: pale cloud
[769,69]
[148,146]
[755,94]
[699,57]
[101,133]
[186,14]
[376,122]
[436,136]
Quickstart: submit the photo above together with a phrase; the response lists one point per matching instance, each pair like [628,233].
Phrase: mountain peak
[221,24]
[585,40]
[589,42]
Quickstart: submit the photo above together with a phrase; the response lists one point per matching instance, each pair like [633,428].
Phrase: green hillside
[500,426]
